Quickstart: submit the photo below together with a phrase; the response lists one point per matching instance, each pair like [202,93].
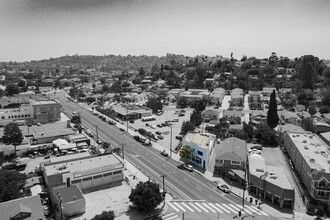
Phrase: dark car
[159,125]
[181,115]
[178,137]
[137,138]
[164,153]
[147,144]
[160,137]
[122,129]
[131,121]
[158,132]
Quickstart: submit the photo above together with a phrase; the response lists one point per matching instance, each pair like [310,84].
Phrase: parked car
[291,164]
[159,125]
[181,115]
[158,132]
[224,188]
[183,111]
[183,166]
[137,138]
[160,137]
[99,141]
[164,153]
[122,129]
[178,137]
[153,126]
[131,121]
[47,157]
[89,133]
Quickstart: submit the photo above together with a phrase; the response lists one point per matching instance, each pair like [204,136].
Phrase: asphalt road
[180,184]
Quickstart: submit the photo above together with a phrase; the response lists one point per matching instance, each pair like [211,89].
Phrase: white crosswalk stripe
[245,209]
[175,217]
[229,208]
[213,206]
[201,207]
[253,211]
[222,208]
[259,211]
[195,207]
[179,206]
[187,206]
[165,216]
[237,208]
[175,208]
[208,207]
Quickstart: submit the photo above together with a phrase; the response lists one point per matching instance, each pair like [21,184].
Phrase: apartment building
[310,156]
[202,144]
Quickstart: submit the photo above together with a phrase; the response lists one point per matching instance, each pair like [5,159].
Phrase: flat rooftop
[44,102]
[202,140]
[79,165]
[258,167]
[68,194]
[313,149]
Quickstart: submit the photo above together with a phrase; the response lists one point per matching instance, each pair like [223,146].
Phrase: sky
[41,29]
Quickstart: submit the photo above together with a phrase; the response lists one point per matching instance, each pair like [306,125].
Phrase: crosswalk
[199,207]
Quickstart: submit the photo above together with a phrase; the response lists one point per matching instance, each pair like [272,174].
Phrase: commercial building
[46,110]
[230,159]
[70,201]
[202,145]
[85,172]
[269,183]
[28,208]
[310,156]
[132,111]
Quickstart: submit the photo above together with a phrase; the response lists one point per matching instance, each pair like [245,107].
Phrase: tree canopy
[12,134]
[12,89]
[186,152]
[196,118]
[155,105]
[11,182]
[187,126]
[272,116]
[146,196]
[76,119]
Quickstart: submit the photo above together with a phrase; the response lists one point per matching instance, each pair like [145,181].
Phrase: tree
[21,83]
[186,152]
[273,58]
[76,119]
[181,102]
[324,109]
[141,72]
[196,118]
[267,135]
[187,126]
[155,105]
[307,124]
[105,215]
[146,196]
[11,182]
[272,117]
[12,89]
[12,134]
[248,130]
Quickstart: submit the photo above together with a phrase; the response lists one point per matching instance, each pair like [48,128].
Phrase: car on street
[183,166]
[89,133]
[224,188]
[291,164]
[153,126]
[164,153]
[158,132]
[122,129]
[99,141]
[178,137]
[160,137]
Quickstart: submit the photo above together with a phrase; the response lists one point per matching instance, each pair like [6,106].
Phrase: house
[175,92]
[234,117]
[319,125]
[310,157]
[325,137]
[70,201]
[237,97]
[202,144]
[85,172]
[267,91]
[254,100]
[230,160]
[217,96]
[27,208]
[269,183]
[258,117]
[210,114]
[290,117]
[326,118]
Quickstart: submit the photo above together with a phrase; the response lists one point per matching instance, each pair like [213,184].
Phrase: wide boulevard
[180,184]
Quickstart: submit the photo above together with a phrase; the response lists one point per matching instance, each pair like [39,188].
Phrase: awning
[239,173]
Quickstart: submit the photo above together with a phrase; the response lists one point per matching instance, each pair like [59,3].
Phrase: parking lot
[169,114]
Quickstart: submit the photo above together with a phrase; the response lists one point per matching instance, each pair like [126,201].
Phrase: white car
[153,126]
[224,188]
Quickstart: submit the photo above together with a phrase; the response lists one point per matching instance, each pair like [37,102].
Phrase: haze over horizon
[41,29]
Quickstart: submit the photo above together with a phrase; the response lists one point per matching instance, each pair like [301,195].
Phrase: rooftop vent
[312,160]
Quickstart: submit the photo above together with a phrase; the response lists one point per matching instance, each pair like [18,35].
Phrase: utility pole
[127,117]
[122,149]
[171,144]
[97,134]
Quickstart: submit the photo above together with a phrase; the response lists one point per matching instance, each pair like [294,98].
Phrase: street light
[171,143]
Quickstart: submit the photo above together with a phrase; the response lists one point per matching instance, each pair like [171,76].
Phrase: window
[87,179]
[233,162]
[200,153]
[117,172]
[107,174]
[76,181]
[198,160]
[219,161]
[97,177]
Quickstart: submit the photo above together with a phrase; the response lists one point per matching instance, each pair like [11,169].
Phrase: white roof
[59,142]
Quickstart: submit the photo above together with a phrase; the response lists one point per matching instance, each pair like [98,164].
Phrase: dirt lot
[169,113]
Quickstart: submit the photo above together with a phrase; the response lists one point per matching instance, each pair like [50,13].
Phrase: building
[269,183]
[310,156]
[326,137]
[210,114]
[290,117]
[132,111]
[217,95]
[230,160]
[319,125]
[70,201]
[49,136]
[202,144]
[27,208]
[85,172]
[237,97]
[254,100]
[282,129]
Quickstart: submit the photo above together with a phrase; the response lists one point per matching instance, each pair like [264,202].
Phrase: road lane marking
[172,217]
[174,207]
[229,208]
[237,208]
[222,208]
[201,207]
[165,216]
[215,208]
[259,211]
[195,207]
[179,206]
[187,206]
[209,207]
[245,210]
